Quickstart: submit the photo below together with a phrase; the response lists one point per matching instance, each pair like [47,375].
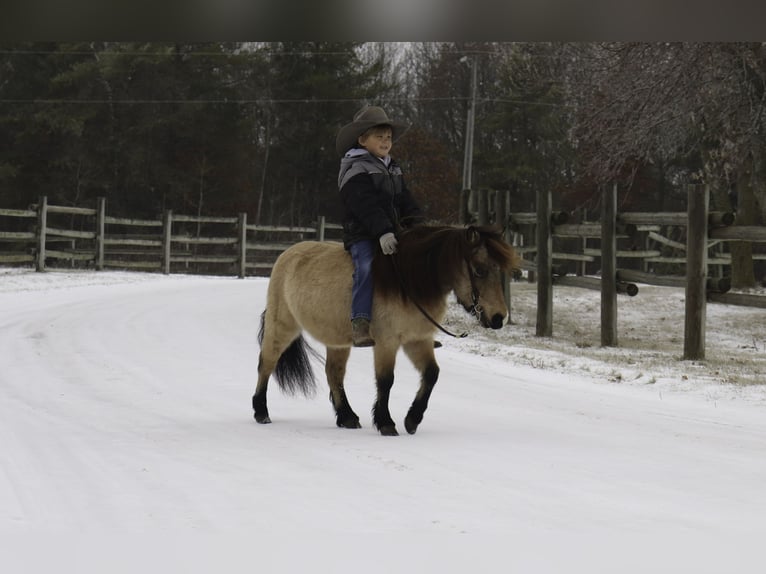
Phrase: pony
[310,290]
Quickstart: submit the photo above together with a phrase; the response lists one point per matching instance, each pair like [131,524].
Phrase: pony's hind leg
[335,369]
[421,353]
[275,336]
[385,360]
[260,408]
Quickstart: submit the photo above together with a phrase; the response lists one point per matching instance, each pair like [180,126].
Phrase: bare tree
[700,105]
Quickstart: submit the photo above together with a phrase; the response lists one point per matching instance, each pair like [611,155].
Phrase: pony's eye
[480,272]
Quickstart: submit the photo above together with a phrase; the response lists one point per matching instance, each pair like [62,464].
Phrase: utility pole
[465,195]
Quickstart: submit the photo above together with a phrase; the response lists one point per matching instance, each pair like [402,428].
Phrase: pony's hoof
[350,423]
[388,430]
[411,423]
[262,419]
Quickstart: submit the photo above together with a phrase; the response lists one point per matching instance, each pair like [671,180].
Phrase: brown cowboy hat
[364,119]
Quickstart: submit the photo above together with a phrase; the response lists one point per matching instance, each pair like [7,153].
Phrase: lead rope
[475,309]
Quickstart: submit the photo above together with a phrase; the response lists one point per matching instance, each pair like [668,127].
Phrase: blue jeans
[362,253]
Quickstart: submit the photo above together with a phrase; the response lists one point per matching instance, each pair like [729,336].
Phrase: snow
[127,442]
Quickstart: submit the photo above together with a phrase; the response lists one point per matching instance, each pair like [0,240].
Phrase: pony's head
[433,260]
[479,288]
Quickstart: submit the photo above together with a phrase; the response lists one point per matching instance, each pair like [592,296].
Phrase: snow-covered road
[125,410]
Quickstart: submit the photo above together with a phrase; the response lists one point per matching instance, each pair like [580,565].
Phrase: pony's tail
[293,371]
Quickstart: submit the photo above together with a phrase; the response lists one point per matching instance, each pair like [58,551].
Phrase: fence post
[696,272]
[464,208]
[242,244]
[42,223]
[483,206]
[100,227]
[609,266]
[532,242]
[544,263]
[501,220]
[320,228]
[167,235]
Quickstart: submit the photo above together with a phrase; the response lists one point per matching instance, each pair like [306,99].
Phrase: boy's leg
[362,253]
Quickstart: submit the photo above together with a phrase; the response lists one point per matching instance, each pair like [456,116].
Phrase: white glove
[388,243]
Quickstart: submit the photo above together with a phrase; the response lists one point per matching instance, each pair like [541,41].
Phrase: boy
[376,204]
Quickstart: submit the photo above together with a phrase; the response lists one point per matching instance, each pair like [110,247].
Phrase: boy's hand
[388,243]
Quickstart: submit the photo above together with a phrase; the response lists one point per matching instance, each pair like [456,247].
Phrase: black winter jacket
[375,198]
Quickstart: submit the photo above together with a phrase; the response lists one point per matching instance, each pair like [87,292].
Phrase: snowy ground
[127,443]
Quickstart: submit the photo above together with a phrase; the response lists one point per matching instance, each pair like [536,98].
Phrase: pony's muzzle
[497,321]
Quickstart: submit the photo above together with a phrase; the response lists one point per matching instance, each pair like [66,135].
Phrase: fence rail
[88,237]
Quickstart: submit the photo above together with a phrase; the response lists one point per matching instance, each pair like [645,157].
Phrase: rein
[475,307]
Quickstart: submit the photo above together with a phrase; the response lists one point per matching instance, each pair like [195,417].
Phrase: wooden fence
[701,256]
[88,237]
[705,232]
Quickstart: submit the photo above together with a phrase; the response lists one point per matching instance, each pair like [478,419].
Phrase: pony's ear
[472,236]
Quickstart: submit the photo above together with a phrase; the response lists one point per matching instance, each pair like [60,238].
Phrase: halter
[475,309]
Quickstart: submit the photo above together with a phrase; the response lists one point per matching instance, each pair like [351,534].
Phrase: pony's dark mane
[429,256]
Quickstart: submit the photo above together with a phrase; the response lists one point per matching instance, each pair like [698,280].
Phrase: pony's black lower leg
[260,410]
[381,416]
[420,404]
[335,369]
[345,417]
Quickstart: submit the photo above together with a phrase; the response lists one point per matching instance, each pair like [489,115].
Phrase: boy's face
[377,141]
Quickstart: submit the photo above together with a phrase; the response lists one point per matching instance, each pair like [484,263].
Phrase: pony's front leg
[421,353]
[385,360]
[335,369]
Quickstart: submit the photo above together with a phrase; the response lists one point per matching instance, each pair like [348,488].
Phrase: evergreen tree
[314,88]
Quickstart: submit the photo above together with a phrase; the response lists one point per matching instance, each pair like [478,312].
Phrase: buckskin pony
[310,290]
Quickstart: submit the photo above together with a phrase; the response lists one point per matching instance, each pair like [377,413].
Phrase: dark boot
[360,332]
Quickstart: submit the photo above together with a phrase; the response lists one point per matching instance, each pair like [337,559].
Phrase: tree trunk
[759,183]
[266,148]
[201,194]
[742,274]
